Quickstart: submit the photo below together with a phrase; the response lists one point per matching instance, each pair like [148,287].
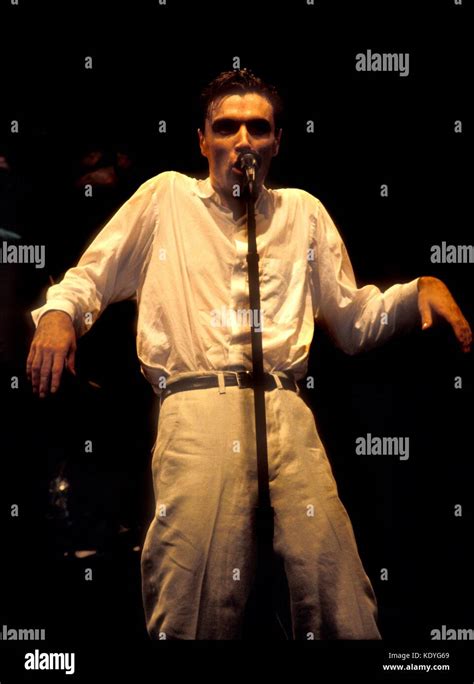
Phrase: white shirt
[176,248]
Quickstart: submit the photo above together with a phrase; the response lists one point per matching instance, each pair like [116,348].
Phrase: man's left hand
[434,298]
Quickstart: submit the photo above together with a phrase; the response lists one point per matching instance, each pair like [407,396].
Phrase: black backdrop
[149,63]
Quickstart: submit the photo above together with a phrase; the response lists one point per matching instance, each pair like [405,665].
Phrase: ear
[202,143]
[276,144]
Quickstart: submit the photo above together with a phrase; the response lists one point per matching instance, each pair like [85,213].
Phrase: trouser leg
[198,560]
[330,593]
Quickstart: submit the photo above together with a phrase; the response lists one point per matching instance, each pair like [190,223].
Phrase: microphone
[249,162]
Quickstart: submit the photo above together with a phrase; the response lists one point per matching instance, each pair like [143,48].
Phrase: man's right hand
[53,347]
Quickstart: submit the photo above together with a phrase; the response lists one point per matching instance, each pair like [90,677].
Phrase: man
[179,244]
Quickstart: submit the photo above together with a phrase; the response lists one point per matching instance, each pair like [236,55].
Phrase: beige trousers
[198,558]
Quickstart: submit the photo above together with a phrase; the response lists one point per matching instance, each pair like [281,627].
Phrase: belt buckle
[240,375]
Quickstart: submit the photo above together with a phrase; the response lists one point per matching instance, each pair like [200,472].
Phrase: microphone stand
[264,513]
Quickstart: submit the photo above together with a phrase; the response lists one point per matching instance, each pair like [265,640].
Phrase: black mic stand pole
[264,511]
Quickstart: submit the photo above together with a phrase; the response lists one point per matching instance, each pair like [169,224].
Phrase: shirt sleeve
[356,318]
[111,267]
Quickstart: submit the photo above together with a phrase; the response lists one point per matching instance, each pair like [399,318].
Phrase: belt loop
[220,378]
[277,380]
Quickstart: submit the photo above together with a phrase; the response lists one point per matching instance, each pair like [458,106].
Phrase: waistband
[221,379]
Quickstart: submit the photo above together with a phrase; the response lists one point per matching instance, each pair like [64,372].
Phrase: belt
[243,379]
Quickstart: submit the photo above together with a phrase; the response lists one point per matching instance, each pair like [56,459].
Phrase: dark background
[150,63]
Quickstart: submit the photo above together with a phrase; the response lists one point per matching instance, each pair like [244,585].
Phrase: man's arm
[361,318]
[109,271]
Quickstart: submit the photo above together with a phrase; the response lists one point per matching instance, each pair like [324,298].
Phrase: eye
[259,127]
[225,127]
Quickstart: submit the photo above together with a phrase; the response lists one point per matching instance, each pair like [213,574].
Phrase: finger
[36,369]
[56,371]
[71,359]
[29,361]
[426,316]
[45,374]
[463,333]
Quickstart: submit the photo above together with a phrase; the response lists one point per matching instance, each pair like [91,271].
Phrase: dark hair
[240,81]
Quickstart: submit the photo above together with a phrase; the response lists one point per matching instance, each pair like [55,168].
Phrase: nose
[243,139]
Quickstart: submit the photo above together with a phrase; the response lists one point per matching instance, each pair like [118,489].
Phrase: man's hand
[53,347]
[435,298]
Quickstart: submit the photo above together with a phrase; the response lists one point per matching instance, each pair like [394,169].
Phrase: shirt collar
[205,190]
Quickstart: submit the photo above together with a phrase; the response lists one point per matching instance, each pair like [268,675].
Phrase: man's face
[236,124]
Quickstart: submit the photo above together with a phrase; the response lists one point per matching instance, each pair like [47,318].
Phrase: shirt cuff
[54,305]
[408,314]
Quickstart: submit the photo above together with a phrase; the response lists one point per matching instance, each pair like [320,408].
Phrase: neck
[237,205]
